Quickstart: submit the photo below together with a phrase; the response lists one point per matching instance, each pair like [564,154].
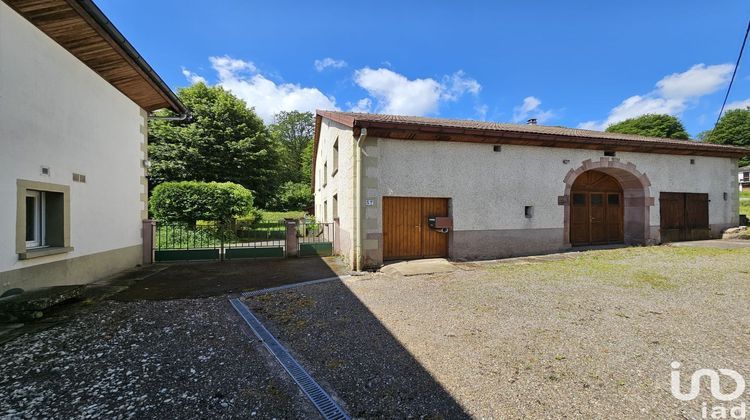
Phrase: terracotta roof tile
[354,119]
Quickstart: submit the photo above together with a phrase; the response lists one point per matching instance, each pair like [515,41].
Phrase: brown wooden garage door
[405,231]
[684,216]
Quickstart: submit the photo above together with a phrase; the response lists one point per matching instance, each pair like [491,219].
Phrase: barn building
[400,187]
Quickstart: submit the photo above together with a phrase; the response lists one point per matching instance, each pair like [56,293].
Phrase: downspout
[358,200]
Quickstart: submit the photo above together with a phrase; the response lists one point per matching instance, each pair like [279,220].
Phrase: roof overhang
[80,27]
[413,131]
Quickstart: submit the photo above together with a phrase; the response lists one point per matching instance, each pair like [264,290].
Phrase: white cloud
[673,94]
[530,109]
[699,80]
[323,64]
[362,105]
[396,94]
[193,78]
[738,105]
[267,97]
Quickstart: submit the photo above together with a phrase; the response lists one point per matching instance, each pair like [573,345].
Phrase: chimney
[531,121]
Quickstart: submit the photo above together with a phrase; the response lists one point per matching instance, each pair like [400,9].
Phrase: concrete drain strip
[322,401]
[292,286]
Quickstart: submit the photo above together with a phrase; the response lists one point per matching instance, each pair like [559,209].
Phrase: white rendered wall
[489,190]
[340,183]
[56,112]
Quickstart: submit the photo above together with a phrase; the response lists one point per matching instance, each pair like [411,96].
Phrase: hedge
[190,201]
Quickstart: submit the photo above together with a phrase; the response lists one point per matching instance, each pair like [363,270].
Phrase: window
[609,153]
[42,219]
[325,174]
[335,204]
[335,157]
[746,176]
[325,211]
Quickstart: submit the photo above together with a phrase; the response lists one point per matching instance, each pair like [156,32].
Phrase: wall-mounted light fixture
[528,211]
[566,161]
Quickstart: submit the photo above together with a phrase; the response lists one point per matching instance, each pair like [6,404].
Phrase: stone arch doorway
[636,200]
[596,210]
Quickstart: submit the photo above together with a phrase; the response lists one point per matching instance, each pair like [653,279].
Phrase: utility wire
[734,73]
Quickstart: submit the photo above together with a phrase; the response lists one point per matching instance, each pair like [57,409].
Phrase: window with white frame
[335,157]
[35,220]
[43,219]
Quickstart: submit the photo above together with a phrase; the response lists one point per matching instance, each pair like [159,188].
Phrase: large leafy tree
[293,132]
[651,125]
[224,142]
[734,129]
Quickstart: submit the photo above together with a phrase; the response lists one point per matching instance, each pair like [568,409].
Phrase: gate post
[148,233]
[291,237]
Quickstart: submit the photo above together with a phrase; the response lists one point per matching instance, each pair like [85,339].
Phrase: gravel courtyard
[589,335]
[150,359]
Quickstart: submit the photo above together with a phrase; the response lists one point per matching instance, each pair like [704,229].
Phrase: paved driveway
[216,278]
[590,335]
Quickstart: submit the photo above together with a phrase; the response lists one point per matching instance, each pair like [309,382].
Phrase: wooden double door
[596,210]
[406,234]
[683,216]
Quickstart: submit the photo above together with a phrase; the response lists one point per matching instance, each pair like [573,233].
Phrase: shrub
[190,201]
[293,196]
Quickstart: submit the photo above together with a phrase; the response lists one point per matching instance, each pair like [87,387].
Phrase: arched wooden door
[596,210]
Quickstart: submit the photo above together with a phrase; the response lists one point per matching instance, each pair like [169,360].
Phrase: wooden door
[683,216]
[406,234]
[598,218]
[596,210]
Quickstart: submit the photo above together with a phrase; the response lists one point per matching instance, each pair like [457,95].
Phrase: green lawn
[275,216]
[745,202]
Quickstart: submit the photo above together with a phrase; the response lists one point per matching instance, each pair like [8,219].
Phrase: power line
[731,81]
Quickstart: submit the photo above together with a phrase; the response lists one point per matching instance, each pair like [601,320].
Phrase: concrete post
[291,237]
[149,233]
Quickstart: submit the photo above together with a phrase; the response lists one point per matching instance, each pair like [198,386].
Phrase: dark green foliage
[293,196]
[293,132]
[190,201]
[734,129]
[651,125]
[225,142]
[307,156]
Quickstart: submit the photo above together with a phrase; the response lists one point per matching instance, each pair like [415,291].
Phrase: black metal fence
[216,240]
[315,238]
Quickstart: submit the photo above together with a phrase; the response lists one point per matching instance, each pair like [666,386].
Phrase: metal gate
[315,238]
[218,241]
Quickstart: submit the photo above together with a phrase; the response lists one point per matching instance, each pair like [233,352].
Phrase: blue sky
[575,63]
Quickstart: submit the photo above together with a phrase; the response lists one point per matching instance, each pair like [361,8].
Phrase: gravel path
[589,336]
[153,359]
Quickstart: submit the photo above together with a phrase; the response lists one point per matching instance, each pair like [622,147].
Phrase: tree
[651,125]
[293,196]
[190,201]
[293,131]
[225,142]
[733,129]
[307,156]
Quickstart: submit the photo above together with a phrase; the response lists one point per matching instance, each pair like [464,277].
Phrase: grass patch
[655,267]
[275,216]
[653,279]
[745,202]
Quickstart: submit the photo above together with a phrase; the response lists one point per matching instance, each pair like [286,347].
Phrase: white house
[743,176]
[409,187]
[74,102]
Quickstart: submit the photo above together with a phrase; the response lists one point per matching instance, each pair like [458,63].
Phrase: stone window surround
[21,250]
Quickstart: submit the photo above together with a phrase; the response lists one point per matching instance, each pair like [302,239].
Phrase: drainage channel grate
[292,286]
[322,401]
